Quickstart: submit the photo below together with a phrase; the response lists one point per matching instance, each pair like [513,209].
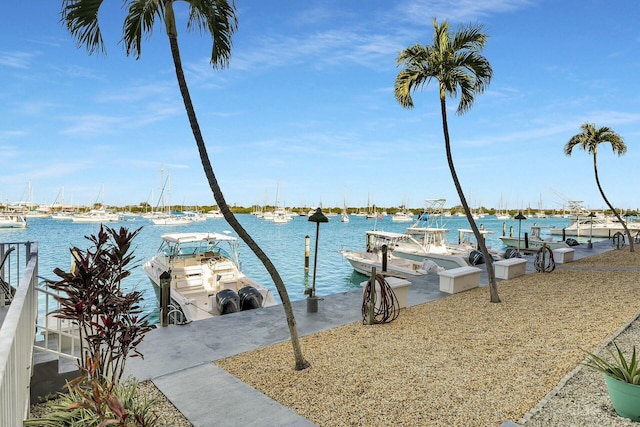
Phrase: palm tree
[588,139]
[454,60]
[218,18]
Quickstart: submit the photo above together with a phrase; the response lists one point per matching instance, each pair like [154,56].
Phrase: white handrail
[17,334]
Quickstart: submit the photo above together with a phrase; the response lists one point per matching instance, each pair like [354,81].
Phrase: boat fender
[571,242]
[476,258]
[250,298]
[227,301]
[511,252]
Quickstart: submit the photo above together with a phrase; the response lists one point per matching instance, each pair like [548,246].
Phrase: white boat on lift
[364,262]
[206,279]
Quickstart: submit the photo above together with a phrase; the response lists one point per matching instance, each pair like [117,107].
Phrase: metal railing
[17,331]
[56,336]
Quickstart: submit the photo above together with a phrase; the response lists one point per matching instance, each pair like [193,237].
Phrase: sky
[305,114]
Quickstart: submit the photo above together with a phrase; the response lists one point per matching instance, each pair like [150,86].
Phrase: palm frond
[139,24]
[81,19]
[218,18]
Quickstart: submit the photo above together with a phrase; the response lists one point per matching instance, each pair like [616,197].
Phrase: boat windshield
[194,249]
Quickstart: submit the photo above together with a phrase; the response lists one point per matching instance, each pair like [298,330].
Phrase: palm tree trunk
[615,212]
[300,362]
[493,288]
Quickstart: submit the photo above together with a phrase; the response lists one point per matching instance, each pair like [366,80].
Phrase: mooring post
[384,258]
[306,253]
[371,317]
[165,291]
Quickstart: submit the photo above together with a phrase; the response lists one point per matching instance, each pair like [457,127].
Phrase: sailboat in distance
[344,216]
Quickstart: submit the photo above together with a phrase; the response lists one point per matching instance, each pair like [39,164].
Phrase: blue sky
[306,107]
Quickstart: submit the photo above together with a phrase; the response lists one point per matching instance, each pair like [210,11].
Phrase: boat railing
[17,330]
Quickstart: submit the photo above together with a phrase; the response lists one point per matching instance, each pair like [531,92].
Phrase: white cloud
[19,60]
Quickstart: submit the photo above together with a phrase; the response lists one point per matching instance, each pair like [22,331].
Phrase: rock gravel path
[464,361]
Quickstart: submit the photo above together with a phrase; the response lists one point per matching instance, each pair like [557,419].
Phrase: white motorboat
[214,214]
[194,216]
[594,226]
[431,235]
[363,262]
[433,246]
[533,240]
[402,215]
[97,216]
[281,216]
[171,219]
[63,215]
[206,279]
[12,220]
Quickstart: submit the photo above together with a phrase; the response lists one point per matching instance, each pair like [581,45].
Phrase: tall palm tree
[216,17]
[588,139]
[455,61]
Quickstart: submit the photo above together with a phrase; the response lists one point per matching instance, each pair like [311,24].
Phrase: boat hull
[532,244]
[586,231]
[364,262]
[445,261]
[13,222]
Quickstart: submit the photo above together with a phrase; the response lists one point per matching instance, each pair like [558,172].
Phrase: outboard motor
[511,252]
[571,242]
[227,301]
[476,258]
[250,298]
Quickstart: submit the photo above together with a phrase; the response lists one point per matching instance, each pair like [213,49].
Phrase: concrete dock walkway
[179,359]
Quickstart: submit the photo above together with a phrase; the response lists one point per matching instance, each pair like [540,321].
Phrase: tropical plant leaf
[619,367]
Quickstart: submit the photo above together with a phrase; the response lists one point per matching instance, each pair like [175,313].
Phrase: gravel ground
[464,361]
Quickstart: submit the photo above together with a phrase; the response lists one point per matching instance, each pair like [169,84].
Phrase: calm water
[283,243]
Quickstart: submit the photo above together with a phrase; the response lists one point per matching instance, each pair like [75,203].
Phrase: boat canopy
[197,237]
[390,235]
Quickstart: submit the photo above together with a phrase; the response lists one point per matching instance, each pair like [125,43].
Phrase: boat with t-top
[205,277]
[376,244]
[430,233]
